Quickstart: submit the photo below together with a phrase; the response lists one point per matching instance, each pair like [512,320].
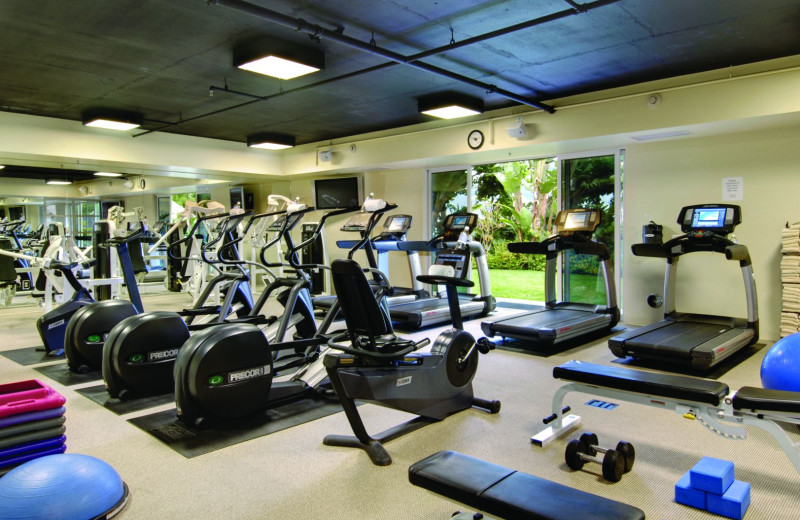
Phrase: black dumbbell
[623,448]
[615,462]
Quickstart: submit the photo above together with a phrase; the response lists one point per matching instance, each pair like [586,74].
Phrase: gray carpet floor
[290,474]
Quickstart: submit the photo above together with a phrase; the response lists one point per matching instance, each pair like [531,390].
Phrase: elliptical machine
[53,324]
[228,372]
[139,354]
[85,339]
[383,369]
[88,329]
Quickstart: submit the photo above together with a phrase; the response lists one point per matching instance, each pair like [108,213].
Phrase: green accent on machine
[216,380]
[136,358]
[94,338]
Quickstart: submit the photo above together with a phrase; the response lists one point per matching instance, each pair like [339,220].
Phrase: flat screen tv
[337,193]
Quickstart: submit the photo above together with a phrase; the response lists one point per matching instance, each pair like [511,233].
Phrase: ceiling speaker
[517,129]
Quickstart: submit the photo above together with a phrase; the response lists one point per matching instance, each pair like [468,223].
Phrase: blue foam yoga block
[733,503]
[685,494]
[712,475]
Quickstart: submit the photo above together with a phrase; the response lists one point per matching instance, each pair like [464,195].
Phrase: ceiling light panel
[278,58]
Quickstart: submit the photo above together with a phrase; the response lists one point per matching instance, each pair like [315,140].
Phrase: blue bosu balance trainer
[68,486]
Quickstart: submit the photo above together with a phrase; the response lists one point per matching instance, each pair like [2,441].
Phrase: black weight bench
[511,494]
[709,401]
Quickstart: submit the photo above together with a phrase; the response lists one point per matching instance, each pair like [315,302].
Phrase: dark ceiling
[162,58]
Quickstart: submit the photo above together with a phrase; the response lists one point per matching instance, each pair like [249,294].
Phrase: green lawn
[529,285]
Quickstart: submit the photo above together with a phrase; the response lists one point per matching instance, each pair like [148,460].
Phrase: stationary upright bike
[381,368]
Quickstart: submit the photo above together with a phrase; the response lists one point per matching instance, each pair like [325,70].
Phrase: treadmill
[394,231]
[698,340]
[559,321]
[430,311]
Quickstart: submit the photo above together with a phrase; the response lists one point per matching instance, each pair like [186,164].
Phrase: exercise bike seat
[367,324]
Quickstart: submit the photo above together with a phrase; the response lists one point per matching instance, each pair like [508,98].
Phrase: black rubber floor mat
[99,395]
[60,373]
[29,356]
[192,442]
[715,372]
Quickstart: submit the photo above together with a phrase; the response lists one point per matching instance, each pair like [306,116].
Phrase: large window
[518,201]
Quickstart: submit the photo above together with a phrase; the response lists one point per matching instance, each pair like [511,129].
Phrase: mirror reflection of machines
[562,320]
[697,339]
[430,311]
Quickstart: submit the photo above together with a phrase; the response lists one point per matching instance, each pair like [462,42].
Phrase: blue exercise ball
[780,369]
[66,486]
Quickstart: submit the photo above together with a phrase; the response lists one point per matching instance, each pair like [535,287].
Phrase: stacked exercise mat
[790,278]
[31,423]
[710,485]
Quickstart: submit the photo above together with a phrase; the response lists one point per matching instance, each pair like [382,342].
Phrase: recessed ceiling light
[107,174]
[278,67]
[112,119]
[58,182]
[270,141]
[278,58]
[450,105]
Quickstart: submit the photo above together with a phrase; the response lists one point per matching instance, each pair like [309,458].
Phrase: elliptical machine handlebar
[230,223]
[291,254]
[200,219]
[373,221]
[239,239]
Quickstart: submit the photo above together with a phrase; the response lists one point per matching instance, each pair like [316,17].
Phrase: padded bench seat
[761,399]
[511,494]
[694,389]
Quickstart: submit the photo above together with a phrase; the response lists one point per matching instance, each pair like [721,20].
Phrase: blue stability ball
[67,486]
[780,369]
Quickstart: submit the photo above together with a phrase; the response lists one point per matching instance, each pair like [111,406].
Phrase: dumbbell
[615,462]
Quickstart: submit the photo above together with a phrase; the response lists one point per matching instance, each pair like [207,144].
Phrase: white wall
[660,178]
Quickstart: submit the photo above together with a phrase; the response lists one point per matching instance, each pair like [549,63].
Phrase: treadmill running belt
[543,322]
[677,339]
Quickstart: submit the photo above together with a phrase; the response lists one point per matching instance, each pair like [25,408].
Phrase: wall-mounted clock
[475,139]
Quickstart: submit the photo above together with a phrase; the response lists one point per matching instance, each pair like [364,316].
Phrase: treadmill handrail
[554,244]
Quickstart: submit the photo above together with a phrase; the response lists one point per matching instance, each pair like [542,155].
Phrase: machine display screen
[460,221]
[577,220]
[397,224]
[708,218]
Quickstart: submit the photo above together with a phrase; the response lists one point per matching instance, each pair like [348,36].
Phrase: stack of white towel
[790,276]
[790,323]
[790,238]
[791,298]
[790,269]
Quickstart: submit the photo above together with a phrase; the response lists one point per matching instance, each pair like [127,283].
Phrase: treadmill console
[458,259]
[277,224]
[455,223]
[358,222]
[395,227]
[577,220]
[715,218]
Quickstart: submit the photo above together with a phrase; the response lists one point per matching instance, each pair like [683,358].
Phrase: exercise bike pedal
[485,345]
[492,407]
